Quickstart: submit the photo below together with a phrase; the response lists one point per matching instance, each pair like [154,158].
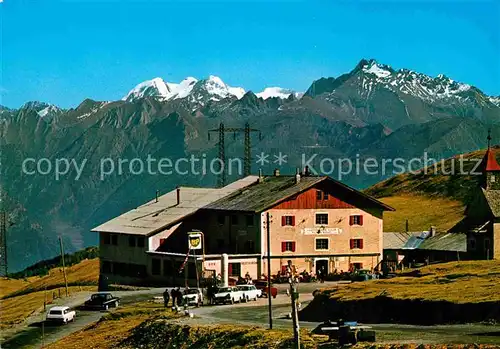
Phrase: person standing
[166,298]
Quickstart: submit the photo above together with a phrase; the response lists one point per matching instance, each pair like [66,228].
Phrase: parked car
[262,285]
[228,295]
[61,314]
[193,296]
[249,292]
[102,300]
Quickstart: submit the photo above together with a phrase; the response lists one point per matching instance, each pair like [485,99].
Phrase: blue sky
[65,51]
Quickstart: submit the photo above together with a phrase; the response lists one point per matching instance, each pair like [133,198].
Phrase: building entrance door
[322,265]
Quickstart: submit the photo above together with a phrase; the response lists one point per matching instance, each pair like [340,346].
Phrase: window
[472,243]
[114,239]
[221,219]
[234,219]
[322,218]
[106,267]
[249,220]
[356,266]
[321,244]
[325,196]
[107,238]
[249,246]
[319,194]
[234,269]
[356,243]
[131,241]
[356,220]
[168,267]
[288,246]
[287,220]
[140,241]
[155,266]
[486,244]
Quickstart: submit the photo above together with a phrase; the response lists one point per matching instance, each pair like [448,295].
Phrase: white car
[249,292]
[61,314]
[228,295]
[193,296]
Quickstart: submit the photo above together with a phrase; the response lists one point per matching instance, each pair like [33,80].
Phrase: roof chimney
[178,195]
[261,178]
[297,177]
[276,172]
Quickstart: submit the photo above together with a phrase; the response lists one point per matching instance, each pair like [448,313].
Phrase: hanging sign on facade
[194,241]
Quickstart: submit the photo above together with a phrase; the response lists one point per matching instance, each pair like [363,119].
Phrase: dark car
[102,300]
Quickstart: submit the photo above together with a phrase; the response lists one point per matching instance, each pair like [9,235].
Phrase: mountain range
[373,111]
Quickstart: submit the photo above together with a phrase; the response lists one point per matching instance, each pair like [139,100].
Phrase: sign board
[321,231]
[194,241]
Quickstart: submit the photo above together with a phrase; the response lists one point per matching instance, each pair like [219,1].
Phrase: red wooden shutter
[360,220]
[351,220]
[230,269]
[283,246]
[293,246]
[351,243]
[283,221]
[293,221]
[361,243]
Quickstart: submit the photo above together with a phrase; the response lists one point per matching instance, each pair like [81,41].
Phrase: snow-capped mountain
[270,92]
[44,110]
[158,88]
[410,83]
[199,91]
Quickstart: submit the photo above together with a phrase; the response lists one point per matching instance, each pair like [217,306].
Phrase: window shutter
[230,269]
[361,243]
[283,246]
[351,243]
[293,246]
[351,221]
[293,221]
[361,220]
[283,221]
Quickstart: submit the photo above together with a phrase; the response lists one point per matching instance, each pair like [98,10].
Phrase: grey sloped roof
[403,240]
[493,200]
[445,242]
[274,189]
[155,216]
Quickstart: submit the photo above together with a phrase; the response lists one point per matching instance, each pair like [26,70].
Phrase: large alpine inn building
[315,221]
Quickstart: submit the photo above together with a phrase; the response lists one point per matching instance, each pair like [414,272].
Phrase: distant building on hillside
[482,215]
[476,236]
[316,222]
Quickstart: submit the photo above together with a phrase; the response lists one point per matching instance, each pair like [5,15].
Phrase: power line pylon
[247,160]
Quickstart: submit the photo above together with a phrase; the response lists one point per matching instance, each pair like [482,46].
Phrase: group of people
[175,294]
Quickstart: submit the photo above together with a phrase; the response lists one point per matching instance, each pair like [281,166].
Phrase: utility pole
[269,294]
[294,296]
[3,240]
[222,153]
[64,266]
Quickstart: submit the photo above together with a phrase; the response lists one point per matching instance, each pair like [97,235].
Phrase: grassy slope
[430,197]
[457,282]
[25,297]
[146,325]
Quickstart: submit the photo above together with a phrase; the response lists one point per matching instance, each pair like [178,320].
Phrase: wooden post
[64,266]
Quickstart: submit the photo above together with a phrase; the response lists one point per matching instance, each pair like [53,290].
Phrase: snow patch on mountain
[377,70]
[270,92]
[49,110]
[495,100]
